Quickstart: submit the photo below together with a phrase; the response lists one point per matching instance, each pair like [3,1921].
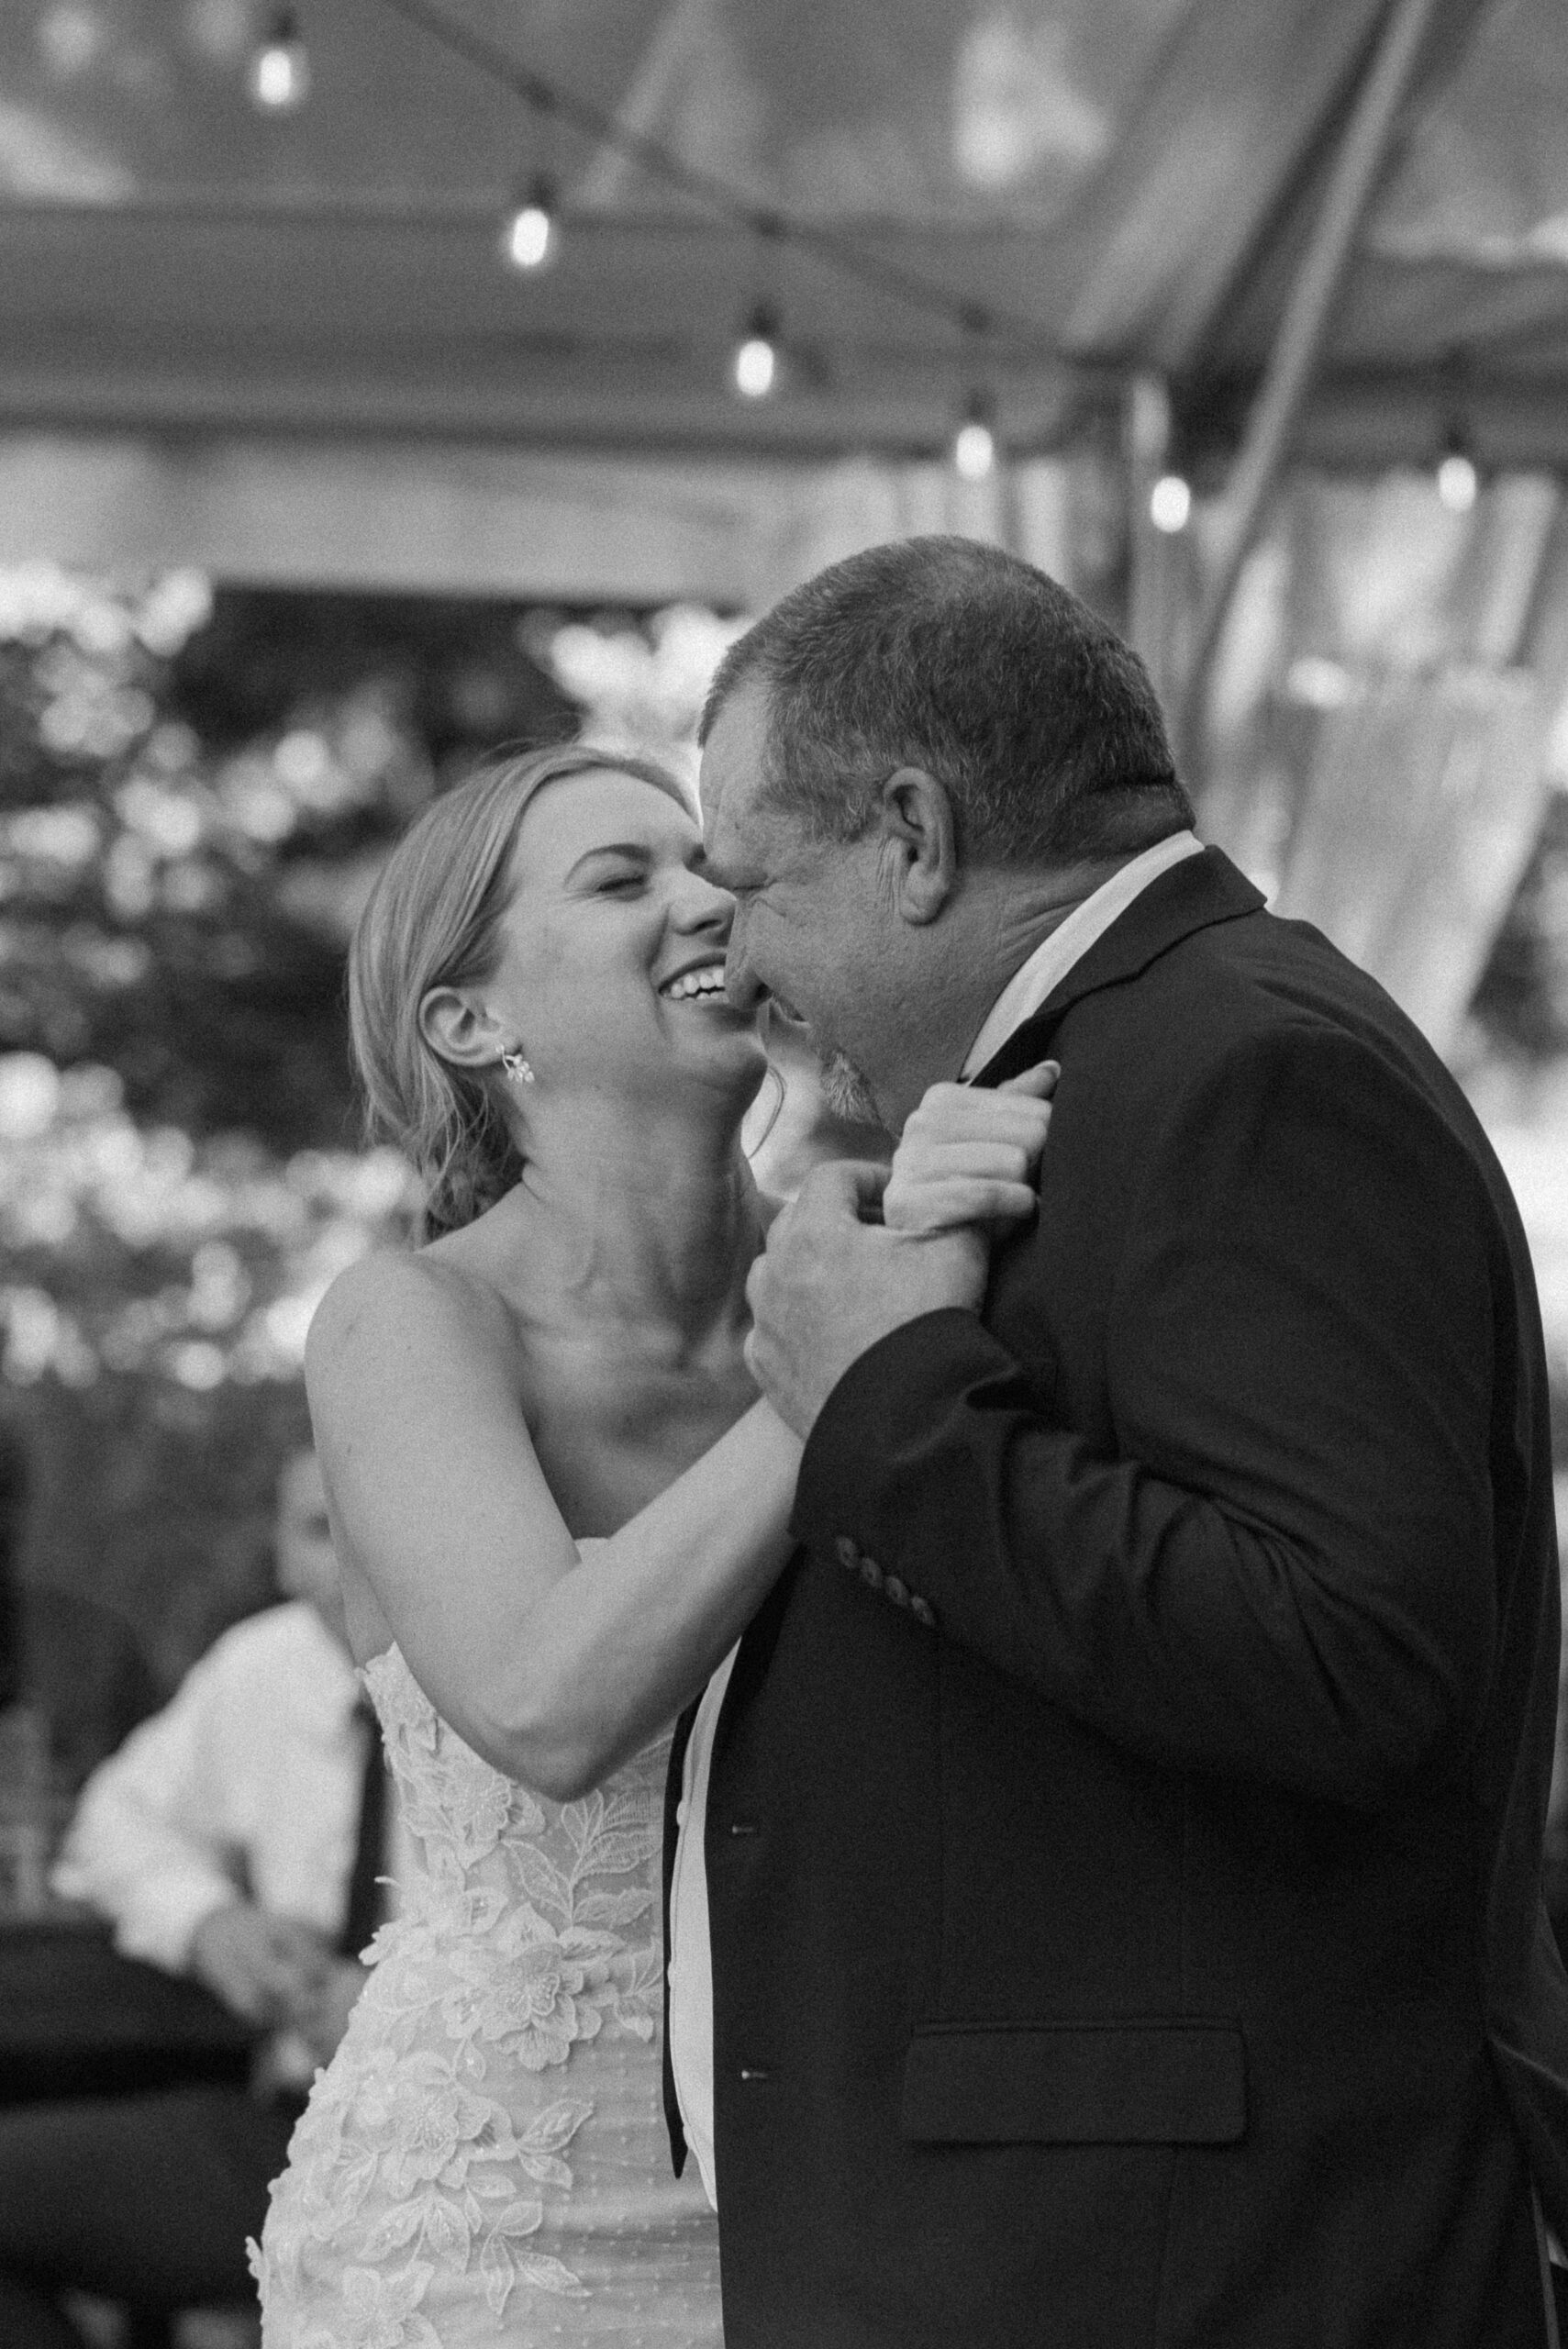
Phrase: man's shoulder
[1261,1024]
[1252,982]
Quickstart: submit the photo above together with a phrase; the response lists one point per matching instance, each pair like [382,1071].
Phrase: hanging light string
[279,71]
[754,366]
[529,240]
[717,196]
[973,446]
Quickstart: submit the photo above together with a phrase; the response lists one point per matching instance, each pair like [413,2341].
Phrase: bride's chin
[729,1043]
[732,1066]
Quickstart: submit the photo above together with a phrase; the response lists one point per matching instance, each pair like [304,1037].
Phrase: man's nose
[741,985]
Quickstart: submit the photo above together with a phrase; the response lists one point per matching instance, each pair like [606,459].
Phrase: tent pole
[1146,444]
[1288,371]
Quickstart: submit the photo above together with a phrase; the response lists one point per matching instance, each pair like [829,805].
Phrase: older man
[1120,1831]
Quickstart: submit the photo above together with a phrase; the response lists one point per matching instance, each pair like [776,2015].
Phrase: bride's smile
[610,975]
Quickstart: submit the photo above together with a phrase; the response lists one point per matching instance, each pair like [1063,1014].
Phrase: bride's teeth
[690,983]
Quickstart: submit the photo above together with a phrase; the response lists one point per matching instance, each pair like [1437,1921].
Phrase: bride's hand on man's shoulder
[971,1155]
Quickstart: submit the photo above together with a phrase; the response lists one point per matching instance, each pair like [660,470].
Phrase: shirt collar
[1069,941]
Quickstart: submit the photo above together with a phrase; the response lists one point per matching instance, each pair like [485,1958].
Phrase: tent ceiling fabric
[1114,182]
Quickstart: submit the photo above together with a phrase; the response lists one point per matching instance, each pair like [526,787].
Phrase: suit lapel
[1191,895]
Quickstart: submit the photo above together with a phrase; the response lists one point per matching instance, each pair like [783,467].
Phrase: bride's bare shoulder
[396,1297]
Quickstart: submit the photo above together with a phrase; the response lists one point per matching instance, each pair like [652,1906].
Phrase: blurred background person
[237,1840]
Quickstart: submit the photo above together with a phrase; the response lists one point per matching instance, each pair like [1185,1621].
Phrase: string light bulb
[1171,504]
[1458,482]
[279,71]
[974,442]
[531,234]
[755,363]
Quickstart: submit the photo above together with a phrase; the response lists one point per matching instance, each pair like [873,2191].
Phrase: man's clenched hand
[831,1285]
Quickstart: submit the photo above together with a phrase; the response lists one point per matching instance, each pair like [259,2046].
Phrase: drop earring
[517,1068]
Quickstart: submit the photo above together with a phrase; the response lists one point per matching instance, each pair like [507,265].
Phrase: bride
[556,1501]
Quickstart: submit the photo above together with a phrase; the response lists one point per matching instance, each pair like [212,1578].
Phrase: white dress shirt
[691,1957]
[691,1961]
[247,1783]
[1069,942]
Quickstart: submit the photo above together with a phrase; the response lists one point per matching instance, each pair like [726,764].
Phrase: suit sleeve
[1282,1565]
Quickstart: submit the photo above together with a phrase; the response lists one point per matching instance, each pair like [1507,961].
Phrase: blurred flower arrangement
[638,683]
[154,971]
[137,1250]
[149,886]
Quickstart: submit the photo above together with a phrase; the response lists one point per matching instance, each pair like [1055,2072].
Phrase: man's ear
[457,1028]
[921,836]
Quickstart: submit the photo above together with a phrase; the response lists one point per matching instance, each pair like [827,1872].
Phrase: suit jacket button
[848,1555]
[871,1573]
[921,1610]
[892,1588]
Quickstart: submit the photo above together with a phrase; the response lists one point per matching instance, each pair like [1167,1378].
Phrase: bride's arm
[554,1667]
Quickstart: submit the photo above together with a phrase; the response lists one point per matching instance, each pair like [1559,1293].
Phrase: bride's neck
[648,1226]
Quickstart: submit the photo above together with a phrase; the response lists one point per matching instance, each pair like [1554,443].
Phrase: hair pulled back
[433,920]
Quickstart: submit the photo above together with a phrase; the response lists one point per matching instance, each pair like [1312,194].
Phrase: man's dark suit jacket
[1123,1839]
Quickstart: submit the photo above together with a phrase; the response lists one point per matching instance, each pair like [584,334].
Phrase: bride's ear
[457,1028]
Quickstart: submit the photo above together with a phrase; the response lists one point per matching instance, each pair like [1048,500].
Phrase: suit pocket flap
[1061,2083]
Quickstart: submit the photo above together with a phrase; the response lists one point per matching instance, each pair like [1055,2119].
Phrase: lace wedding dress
[484,2160]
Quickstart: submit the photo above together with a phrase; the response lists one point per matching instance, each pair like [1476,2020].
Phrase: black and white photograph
[783,1175]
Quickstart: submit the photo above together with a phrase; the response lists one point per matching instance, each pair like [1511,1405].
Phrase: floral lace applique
[455,1804]
[532,1932]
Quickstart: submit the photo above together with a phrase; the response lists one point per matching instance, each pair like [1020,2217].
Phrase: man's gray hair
[947,654]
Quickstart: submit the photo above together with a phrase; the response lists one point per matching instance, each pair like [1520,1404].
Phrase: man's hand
[268,1970]
[831,1285]
[322,2024]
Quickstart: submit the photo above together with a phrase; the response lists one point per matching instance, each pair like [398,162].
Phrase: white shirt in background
[247,1783]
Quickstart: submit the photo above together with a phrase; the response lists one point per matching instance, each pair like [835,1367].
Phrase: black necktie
[364,1906]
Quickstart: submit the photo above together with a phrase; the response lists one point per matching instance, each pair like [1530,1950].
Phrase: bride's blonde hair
[432,920]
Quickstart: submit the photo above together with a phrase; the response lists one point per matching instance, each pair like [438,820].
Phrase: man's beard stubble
[846,1092]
